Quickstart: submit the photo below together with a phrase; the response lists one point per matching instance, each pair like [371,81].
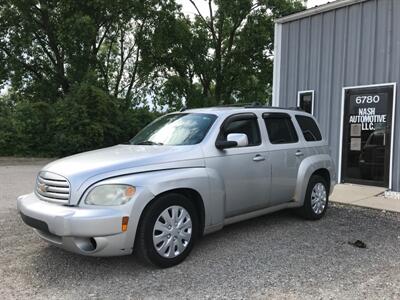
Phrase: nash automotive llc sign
[367,117]
[367,113]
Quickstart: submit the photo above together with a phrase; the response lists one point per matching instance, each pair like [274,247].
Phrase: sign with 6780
[367,99]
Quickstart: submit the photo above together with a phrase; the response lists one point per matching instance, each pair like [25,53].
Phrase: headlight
[110,194]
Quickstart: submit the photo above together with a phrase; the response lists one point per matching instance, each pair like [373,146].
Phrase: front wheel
[168,230]
[316,198]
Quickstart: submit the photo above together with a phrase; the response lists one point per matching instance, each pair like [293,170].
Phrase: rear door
[312,139]
[285,155]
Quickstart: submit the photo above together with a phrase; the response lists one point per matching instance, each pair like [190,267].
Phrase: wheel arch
[314,165]
[324,173]
[191,194]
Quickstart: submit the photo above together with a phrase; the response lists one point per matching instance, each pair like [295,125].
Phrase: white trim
[339,179]
[318,10]
[276,81]
[312,101]
[392,137]
[394,84]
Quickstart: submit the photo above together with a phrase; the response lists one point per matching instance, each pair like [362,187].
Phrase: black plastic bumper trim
[35,223]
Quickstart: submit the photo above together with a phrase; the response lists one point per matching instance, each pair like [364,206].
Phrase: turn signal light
[125,221]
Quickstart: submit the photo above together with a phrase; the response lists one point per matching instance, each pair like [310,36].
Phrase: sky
[188,8]
[312,3]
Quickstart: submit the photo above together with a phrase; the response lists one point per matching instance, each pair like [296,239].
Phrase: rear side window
[309,128]
[280,128]
[246,126]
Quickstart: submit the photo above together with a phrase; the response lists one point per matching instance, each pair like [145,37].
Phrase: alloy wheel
[318,198]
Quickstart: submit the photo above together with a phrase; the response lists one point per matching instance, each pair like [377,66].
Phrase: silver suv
[184,175]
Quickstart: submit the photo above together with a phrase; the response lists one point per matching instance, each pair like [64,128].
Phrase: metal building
[341,62]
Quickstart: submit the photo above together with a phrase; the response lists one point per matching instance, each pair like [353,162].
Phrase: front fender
[307,167]
[150,184]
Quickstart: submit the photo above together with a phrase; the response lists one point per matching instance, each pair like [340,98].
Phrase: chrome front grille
[52,188]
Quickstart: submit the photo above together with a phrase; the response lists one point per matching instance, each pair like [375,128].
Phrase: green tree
[75,72]
[229,51]
[82,74]
[47,46]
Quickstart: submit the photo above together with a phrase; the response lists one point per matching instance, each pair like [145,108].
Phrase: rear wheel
[316,198]
[167,231]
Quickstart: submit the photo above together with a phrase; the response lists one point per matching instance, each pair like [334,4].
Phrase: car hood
[86,168]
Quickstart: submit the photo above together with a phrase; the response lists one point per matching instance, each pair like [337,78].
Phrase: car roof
[228,110]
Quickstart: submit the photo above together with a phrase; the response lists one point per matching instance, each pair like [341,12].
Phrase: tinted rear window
[280,129]
[309,128]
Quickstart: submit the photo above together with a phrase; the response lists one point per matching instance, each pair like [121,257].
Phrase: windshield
[175,129]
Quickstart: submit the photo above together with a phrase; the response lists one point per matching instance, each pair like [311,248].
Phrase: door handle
[258,157]
[299,153]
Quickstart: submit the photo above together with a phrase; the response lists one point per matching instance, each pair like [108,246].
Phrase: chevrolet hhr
[184,175]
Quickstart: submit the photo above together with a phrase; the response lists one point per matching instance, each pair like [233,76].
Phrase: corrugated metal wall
[354,45]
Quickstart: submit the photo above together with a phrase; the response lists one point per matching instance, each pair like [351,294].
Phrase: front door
[367,134]
[246,174]
[244,170]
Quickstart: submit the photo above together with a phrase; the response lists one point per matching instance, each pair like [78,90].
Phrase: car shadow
[273,253]
[268,244]
[53,264]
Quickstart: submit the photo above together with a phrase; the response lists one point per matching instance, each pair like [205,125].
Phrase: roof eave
[317,10]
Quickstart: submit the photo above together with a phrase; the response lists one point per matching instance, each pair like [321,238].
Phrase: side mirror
[240,139]
[233,140]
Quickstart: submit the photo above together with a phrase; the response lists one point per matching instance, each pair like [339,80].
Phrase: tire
[310,209]
[152,244]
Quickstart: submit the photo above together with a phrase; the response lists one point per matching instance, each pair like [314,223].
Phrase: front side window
[280,129]
[175,129]
[309,128]
[248,126]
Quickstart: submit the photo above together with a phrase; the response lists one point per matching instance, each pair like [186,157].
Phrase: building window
[305,101]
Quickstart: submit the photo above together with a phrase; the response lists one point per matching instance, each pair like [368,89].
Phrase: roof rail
[296,108]
[236,104]
[255,105]
[258,105]
[242,104]
[274,107]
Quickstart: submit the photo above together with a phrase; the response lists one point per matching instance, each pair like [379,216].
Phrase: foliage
[87,119]
[225,55]
[47,46]
[87,74]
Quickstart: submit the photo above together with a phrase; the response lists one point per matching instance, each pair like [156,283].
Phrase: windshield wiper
[149,143]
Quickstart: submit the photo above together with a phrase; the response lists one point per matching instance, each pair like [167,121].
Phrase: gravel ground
[278,256]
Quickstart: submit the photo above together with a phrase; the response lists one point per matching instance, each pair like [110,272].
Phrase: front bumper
[88,231]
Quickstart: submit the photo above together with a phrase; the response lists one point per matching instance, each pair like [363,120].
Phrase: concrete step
[365,196]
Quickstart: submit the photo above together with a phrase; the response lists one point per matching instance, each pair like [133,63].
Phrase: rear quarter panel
[316,158]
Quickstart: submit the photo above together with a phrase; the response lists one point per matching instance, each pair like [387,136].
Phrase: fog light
[125,221]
